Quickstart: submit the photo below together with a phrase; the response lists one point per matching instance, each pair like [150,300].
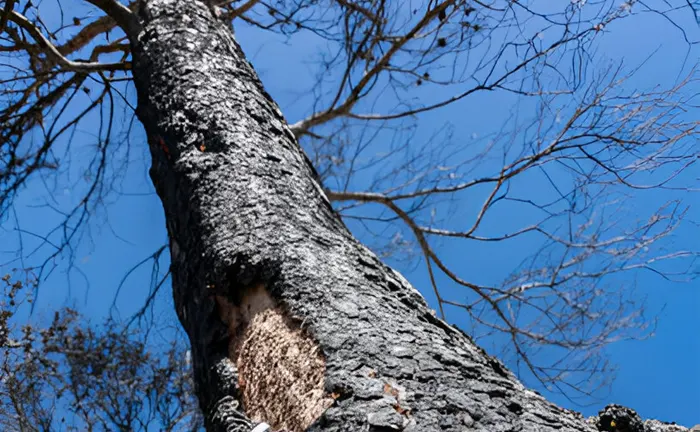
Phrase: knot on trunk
[616,418]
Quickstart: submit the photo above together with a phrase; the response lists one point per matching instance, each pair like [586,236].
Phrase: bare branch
[9,4]
[122,15]
[53,52]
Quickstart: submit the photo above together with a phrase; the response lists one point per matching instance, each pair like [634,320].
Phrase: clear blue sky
[659,377]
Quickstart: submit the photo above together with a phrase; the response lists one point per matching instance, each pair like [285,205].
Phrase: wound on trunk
[280,368]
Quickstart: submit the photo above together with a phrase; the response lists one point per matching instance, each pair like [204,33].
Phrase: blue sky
[658,377]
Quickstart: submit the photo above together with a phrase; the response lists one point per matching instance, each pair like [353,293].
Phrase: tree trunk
[292,321]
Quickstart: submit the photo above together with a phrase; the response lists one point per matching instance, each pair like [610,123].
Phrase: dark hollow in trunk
[268,282]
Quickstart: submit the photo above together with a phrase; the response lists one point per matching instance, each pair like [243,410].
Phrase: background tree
[74,376]
[590,141]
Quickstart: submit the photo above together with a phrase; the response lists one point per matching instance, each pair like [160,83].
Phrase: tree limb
[123,15]
[54,53]
[9,4]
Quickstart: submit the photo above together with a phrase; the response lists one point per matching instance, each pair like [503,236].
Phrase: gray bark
[243,207]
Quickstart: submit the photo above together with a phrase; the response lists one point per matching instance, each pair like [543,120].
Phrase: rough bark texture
[244,210]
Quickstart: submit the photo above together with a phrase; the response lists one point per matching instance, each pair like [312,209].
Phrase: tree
[262,265]
[73,376]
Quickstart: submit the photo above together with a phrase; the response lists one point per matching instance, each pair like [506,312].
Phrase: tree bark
[270,285]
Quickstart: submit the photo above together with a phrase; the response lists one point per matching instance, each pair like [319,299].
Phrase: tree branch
[123,15]
[55,54]
[9,4]
[300,128]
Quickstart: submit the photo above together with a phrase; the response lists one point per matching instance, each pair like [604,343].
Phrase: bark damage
[280,368]
[292,322]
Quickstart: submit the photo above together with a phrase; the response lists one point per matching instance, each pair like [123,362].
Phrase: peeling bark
[245,213]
